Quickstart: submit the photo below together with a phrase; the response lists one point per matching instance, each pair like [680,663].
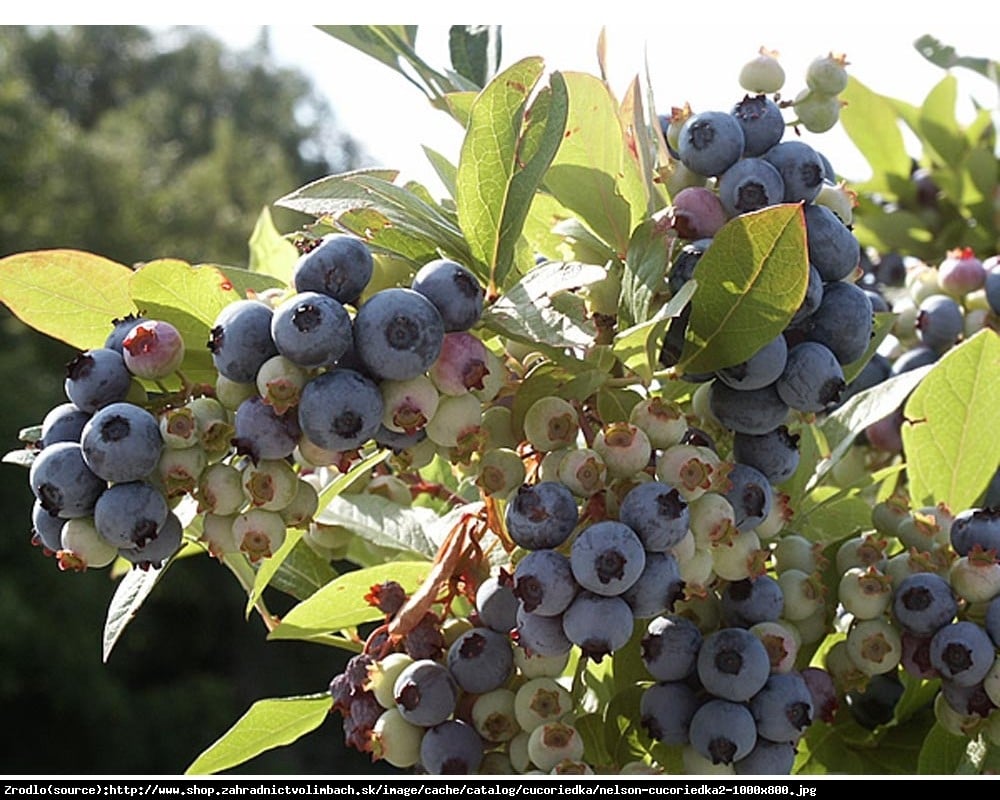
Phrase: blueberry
[541,635]
[913,358]
[762,122]
[97,378]
[46,528]
[658,587]
[63,423]
[262,433]
[451,747]
[754,411]
[775,453]
[670,647]
[153,349]
[750,495]
[813,378]
[597,624]
[992,287]
[992,620]
[454,291]
[542,515]
[122,442]
[339,266]
[723,731]
[340,410]
[425,693]
[682,267]
[311,329]
[130,514]
[481,660]
[923,602]
[121,328]
[975,526]
[801,169]
[843,321]
[940,322]
[762,368]
[877,369]
[63,483]
[607,557]
[746,602]
[154,553]
[962,652]
[811,301]
[710,142]
[665,712]
[398,334]
[833,249]
[657,514]
[783,708]
[543,582]
[733,664]
[767,758]
[876,704]
[496,605]
[240,340]
[750,185]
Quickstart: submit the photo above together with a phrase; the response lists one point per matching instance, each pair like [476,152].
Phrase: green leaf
[638,347]
[645,266]
[475,51]
[946,57]
[873,125]
[831,513]
[615,405]
[750,282]
[526,312]
[596,174]
[302,572]
[130,594]
[445,170]
[270,252]
[267,724]
[504,156]
[69,295]
[884,320]
[951,453]
[383,522]
[341,603]
[938,126]
[269,566]
[942,752]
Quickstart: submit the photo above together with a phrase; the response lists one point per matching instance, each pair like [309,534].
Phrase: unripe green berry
[865,593]
[82,546]
[408,405]
[179,428]
[540,700]
[663,421]
[493,715]
[270,484]
[259,533]
[553,742]
[582,471]
[395,740]
[763,74]
[455,416]
[280,382]
[501,471]
[178,471]
[537,665]
[827,74]
[217,534]
[817,112]
[624,448]
[497,422]
[551,423]
[382,677]
[303,507]
[804,594]
[874,646]
[220,490]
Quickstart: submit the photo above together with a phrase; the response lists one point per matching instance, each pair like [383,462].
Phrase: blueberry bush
[652,448]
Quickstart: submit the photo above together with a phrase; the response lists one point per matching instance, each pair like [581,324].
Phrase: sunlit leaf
[951,454]
[270,252]
[69,295]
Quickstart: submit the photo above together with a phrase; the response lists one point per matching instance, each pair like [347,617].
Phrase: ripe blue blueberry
[63,423]
[658,587]
[398,334]
[425,693]
[154,553]
[762,123]
[811,301]
[311,329]
[670,647]
[665,712]
[63,483]
[122,442]
[97,378]
[607,557]
[750,495]
[783,708]
[833,249]
[940,322]
[496,605]
[597,624]
[750,185]
[657,514]
[843,321]
[480,660]
[762,368]
[733,664]
[240,340]
[746,602]
[755,411]
[262,433]
[723,731]
[923,603]
[775,453]
[130,514]
[339,266]
[767,758]
[801,169]
[543,582]
[682,267]
[451,748]
[340,409]
[813,378]
[540,635]
[541,515]
[46,529]
[454,291]
[710,142]
[962,652]
[975,526]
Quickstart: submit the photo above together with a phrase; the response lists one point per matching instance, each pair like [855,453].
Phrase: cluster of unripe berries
[921,593]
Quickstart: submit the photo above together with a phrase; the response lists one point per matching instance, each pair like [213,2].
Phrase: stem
[245,574]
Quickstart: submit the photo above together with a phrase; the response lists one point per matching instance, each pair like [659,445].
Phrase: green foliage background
[139,146]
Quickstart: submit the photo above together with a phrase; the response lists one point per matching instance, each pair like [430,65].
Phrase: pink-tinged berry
[407,406]
[961,272]
[280,382]
[697,213]
[153,349]
[782,643]
[462,365]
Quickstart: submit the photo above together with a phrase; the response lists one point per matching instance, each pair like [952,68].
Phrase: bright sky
[694,51]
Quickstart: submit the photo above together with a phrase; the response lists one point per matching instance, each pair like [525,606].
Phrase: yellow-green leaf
[951,419]
[267,724]
[750,282]
[69,295]
[270,252]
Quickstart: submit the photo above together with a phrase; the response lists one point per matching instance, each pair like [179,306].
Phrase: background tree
[137,145]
